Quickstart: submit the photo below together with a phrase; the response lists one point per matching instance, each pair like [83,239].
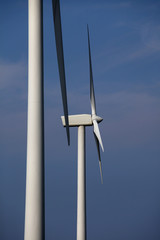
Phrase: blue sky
[125,44]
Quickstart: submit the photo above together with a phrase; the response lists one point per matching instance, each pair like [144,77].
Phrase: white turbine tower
[35,192]
[81,121]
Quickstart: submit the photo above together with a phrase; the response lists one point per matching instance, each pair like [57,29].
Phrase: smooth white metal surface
[81,186]
[78,120]
[34,205]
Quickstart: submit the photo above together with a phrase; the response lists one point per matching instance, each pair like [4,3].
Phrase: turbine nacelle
[81,120]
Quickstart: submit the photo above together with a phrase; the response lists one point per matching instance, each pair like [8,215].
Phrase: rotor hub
[97,118]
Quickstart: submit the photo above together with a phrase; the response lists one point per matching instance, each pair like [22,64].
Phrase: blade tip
[100,167]
[101,179]
[68,134]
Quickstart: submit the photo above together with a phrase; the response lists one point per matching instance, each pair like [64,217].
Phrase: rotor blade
[97,133]
[60,58]
[92,94]
[99,157]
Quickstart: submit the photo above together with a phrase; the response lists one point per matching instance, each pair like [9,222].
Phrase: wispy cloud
[131,119]
[126,55]
[147,44]
[12,74]
[150,34]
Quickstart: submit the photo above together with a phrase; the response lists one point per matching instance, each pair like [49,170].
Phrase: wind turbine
[82,121]
[35,191]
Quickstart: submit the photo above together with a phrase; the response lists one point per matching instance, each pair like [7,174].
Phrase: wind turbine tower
[82,121]
[35,192]
[34,208]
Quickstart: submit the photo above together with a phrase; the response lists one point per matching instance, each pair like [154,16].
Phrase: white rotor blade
[92,94]
[60,58]
[97,133]
[99,157]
